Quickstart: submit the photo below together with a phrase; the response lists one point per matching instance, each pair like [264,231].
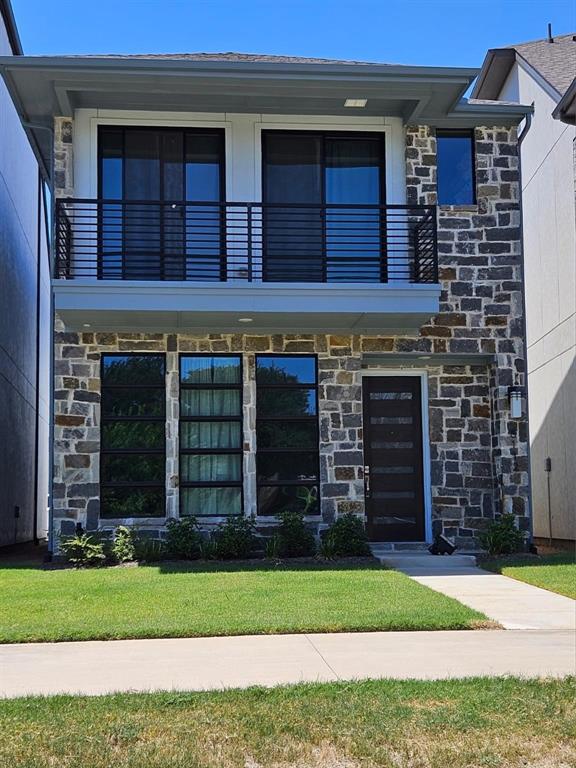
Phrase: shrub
[83,549]
[294,538]
[124,544]
[235,539]
[346,537]
[149,550]
[183,538]
[272,549]
[209,549]
[501,536]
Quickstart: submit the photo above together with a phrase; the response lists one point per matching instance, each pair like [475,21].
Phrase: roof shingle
[249,58]
[555,61]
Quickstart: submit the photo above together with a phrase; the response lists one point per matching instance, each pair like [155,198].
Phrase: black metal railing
[210,241]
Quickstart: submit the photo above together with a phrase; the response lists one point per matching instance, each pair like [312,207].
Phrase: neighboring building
[282,283]
[542,73]
[24,322]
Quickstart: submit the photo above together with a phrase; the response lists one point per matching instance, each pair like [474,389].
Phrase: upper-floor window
[171,182]
[323,194]
[456,182]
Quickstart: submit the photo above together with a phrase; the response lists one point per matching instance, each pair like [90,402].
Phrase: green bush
[346,537]
[208,549]
[124,544]
[502,537]
[183,538]
[294,538]
[149,550]
[83,549]
[272,549]
[236,538]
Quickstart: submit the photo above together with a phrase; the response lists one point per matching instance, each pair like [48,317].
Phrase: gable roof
[554,61]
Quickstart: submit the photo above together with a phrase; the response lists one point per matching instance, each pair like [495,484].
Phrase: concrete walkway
[511,603]
[94,668]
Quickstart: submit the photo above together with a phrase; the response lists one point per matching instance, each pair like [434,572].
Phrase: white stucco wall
[548,190]
[243,142]
[18,282]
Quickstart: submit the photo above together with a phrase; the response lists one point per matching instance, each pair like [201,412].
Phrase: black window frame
[104,419]
[324,136]
[211,451]
[459,133]
[315,419]
[162,202]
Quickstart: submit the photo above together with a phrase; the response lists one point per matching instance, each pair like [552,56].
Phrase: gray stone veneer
[479,455]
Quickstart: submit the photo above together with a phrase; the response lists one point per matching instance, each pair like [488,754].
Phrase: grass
[476,723]
[193,600]
[556,573]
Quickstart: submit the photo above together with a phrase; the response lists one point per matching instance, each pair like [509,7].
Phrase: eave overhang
[495,69]
[566,107]
[44,87]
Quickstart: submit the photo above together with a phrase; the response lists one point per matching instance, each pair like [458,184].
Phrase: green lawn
[556,573]
[175,600]
[481,723]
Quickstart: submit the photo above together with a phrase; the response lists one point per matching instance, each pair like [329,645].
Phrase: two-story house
[24,320]
[282,284]
[541,72]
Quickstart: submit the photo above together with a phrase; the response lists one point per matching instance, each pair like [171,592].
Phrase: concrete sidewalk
[511,603]
[101,667]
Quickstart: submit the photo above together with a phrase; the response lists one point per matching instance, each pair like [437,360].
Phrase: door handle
[367,479]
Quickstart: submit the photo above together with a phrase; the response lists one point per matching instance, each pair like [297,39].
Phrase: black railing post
[249,213]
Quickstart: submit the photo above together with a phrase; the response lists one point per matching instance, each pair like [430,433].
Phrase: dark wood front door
[393,458]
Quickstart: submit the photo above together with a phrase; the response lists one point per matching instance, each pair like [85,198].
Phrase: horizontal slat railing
[254,242]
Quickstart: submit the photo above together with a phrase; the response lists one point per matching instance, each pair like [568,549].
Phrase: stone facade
[63,157]
[482,310]
[479,455]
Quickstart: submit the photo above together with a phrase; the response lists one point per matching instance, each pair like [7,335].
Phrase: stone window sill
[458,208]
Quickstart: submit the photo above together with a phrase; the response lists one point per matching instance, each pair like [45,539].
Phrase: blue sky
[435,32]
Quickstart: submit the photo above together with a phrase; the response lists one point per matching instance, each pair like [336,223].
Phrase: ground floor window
[210,435]
[133,456]
[287,459]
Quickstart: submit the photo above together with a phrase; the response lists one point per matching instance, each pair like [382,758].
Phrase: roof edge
[495,69]
[96,63]
[565,110]
[12,30]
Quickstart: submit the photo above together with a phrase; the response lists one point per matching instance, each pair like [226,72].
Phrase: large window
[287,460]
[153,233]
[456,179]
[322,216]
[133,456]
[210,435]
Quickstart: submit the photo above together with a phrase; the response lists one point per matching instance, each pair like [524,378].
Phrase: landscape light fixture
[441,546]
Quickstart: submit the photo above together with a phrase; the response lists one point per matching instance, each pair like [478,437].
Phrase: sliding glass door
[321,196]
[151,233]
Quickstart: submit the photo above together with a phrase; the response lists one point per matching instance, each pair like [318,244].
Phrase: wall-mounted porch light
[515,398]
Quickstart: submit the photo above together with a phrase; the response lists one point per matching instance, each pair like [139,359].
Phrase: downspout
[37,401]
[50,243]
[521,138]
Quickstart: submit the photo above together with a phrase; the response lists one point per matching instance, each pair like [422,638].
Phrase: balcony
[191,265]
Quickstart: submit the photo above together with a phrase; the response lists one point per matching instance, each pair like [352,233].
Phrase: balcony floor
[216,307]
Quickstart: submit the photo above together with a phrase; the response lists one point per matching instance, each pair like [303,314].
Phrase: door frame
[422,374]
